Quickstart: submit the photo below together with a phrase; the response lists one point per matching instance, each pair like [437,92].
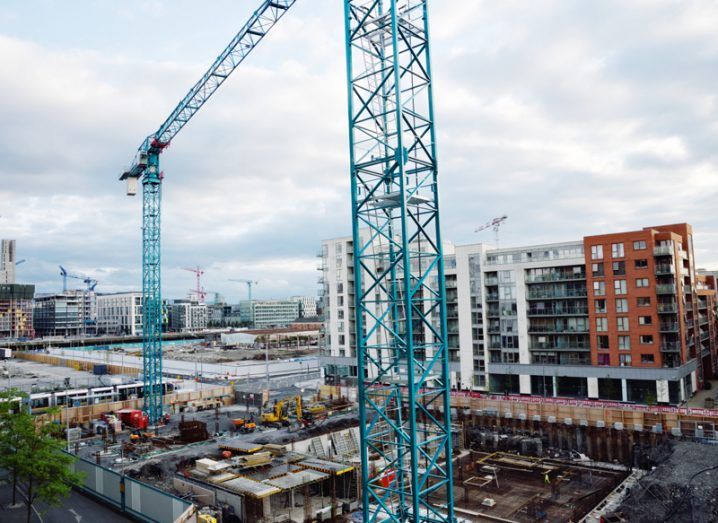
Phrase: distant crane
[199,291]
[90,283]
[20,262]
[494,224]
[249,286]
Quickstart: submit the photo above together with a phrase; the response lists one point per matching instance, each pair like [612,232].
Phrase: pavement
[698,400]
[76,508]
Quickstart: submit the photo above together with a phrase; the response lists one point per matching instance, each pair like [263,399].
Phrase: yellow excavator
[310,414]
[278,416]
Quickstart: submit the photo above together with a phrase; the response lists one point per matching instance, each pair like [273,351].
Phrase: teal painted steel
[151,289]
[400,303]
[146,166]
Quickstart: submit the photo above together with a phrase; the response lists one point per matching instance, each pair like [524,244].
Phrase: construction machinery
[400,302]
[199,290]
[494,224]
[244,425]
[278,416]
[309,414]
[90,283]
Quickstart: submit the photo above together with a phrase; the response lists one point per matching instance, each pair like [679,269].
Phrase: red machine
[133,418]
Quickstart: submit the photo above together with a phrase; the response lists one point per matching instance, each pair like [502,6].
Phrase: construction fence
[139,500]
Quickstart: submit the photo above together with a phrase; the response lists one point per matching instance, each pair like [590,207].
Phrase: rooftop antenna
[493,224]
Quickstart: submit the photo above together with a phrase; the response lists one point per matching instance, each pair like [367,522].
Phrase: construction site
[245,427]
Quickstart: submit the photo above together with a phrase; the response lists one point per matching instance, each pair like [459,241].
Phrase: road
[77,508]
[232,370]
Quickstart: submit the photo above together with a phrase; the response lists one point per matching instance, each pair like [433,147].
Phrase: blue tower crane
[400,298]
[146,167]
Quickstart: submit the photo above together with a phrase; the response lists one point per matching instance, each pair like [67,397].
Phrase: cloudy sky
[572,117]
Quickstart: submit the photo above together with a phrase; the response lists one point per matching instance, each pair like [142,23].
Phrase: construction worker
[546,479]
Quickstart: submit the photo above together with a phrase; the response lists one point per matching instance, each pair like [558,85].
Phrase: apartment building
[7,261]
[70,313]
[16,311]
[120,313]
[621,316]
[188,316]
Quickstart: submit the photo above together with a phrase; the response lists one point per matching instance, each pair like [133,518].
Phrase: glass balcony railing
[665,269]
[667,308]
[491,280]
[542,294]
[492,296]
[540,278]
[669,327]
[564,311]
[670,346]
[666,288]
[663,250]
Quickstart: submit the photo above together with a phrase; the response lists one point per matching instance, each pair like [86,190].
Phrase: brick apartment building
[622,316]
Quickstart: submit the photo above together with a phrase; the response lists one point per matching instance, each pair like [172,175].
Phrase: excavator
[277,417]
[311,414]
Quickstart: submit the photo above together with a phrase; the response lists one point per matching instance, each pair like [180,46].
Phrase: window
[599,288]
[622,323]
[624,360]
[617,250]
[619,286]
[340,314]
[619,268]
[645,320]
[639,245]
[603,342]
[604,359]
[621,305]
[597,269]
[601,324]
[647,358]
[646,339]
[643,301]
[641,282]
[340,288]
[624,342]
[596,252]
[640,264]
[600,305]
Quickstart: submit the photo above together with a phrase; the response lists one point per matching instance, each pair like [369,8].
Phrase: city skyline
[576,140]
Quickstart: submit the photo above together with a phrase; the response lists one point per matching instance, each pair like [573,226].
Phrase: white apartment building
[7,261]
[120,313]
[188,316]
[307,306]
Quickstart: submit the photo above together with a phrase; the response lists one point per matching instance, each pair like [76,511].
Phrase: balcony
[492,312]
[702,319]
[553,329]
[666,288]
[670,346]
[667,308]
[491,280]
[668,326]
[665,269]
[542,278]
[492,296]
[705,336]
[702,305]
[565,311]
[542,294]
[663,250]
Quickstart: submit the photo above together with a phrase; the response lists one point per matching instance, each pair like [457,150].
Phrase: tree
[45,469]
[16,428]
[32,453]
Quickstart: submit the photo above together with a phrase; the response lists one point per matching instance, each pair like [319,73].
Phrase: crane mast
[400,300]
[146,167]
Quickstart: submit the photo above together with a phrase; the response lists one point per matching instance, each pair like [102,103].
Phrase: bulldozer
[277,417]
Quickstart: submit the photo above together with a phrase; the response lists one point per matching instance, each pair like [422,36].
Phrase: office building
[261,314]
[120,313]
[307,306]
[16,311]
[188,316]
[7,261]
[622,316]
[70,313]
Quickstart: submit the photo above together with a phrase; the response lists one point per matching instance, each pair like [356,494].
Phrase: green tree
[45,469]
[33,454]
[16,428]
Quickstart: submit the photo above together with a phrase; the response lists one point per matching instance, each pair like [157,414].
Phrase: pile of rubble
[683,487]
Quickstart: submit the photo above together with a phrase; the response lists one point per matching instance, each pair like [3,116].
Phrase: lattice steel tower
[398,264]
